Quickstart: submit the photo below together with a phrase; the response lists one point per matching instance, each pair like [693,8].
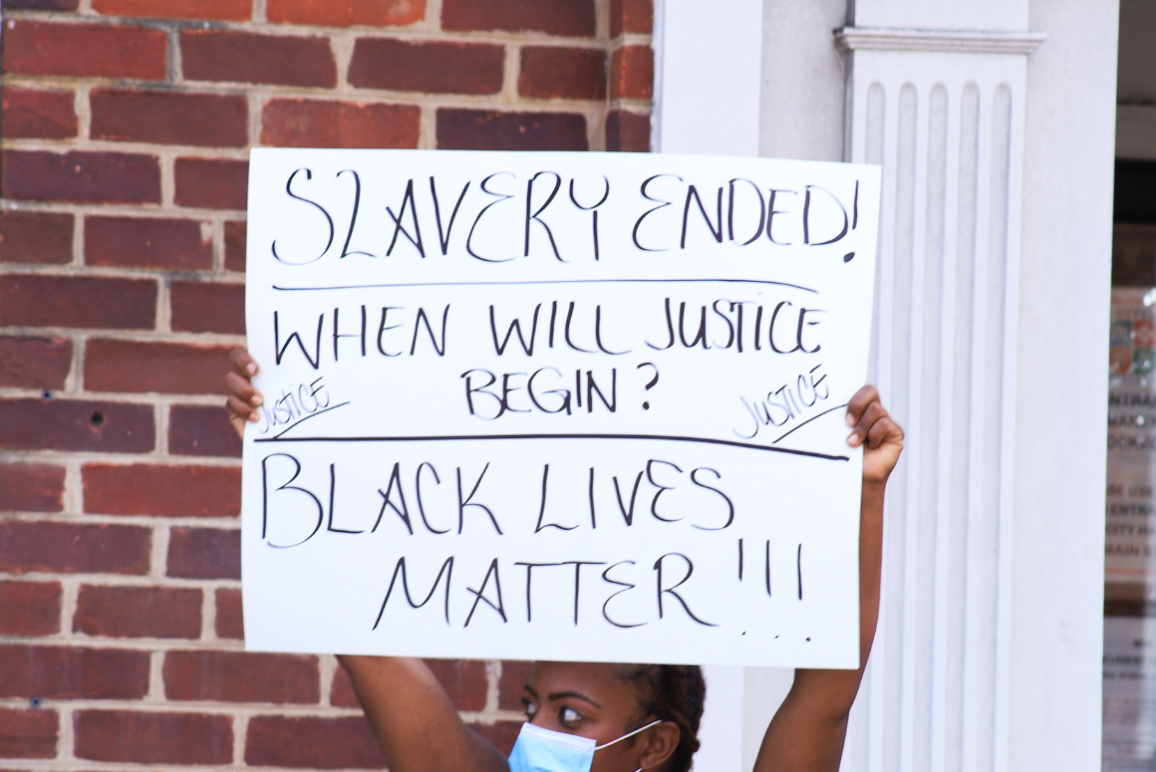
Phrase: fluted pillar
[943,112]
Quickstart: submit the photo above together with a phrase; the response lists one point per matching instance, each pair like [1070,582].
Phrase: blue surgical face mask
[544,750]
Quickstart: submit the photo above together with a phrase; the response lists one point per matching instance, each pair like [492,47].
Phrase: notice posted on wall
[1130,561]
[1129,694]
[567,406]
[1131,526]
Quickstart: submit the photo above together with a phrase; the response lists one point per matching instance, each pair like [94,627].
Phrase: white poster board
[556,406]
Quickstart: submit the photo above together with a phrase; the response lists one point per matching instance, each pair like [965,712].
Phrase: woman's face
[590,700]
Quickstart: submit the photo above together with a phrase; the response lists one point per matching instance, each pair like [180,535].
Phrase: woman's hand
[243,398]
[873,427]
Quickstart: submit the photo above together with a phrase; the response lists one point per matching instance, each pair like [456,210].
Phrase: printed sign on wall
[568,406]
[1131,530]
[1129,694]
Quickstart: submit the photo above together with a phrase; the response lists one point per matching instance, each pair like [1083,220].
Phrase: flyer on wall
[1130,547]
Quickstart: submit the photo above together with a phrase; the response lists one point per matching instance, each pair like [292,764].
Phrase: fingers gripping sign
[243,401]
[874,429]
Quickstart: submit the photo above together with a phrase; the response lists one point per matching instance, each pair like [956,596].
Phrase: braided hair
[671,693]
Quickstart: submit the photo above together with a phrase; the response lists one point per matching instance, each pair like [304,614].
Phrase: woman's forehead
[596,679]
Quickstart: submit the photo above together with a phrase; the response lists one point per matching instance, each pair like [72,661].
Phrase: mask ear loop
[631,734]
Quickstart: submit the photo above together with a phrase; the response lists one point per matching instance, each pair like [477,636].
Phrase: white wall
[707,71]
[1057,613]
[801,100]
[941,15]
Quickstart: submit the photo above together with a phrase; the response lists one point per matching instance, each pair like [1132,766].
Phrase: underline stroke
[466,437]
[311,415]
[812,418]
[554,281]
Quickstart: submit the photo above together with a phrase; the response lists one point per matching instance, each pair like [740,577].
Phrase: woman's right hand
[243,398]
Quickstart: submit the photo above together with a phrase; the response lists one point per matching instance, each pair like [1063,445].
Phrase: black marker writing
[447,570]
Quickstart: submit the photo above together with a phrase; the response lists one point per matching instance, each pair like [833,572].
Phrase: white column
[707,72]
[1065,268]
[943,112]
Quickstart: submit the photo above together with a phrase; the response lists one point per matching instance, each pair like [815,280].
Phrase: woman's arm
[416,724]
[808,731]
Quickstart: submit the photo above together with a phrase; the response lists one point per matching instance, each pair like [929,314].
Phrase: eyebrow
[562,695]
[576,695]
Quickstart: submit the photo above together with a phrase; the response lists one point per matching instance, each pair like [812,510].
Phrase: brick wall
[125,126]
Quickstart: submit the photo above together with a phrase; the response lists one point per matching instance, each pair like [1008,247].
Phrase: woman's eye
[529,708]
[569,716]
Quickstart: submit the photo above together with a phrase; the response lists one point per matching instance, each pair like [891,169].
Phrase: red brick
[35,237]
[153,738]
[162,490]
[554,72]
[138,612]
[34,363]
[316,123]
[168,368]
[38,114]
[40,300]
[222,10]
[82,177]
[230,622]
[236,676]
[59,424]
[464,680]
[212,183]
[242,57]
[208,307]
[73,673]
[627,131]
[502,735]
[311,742]
[28,734]
[148,242]
[201,430]
[632,73]
[341,693]
[42,5]
[444,68]
[70,548]
[170,118]
[632,16]
[515,675]
[31,488]
[84,50]
[204,553]
[235,245]
[27,608]
[462,129]
[573,18]
[345,13]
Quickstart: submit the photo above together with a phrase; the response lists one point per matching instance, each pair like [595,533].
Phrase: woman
[595,717]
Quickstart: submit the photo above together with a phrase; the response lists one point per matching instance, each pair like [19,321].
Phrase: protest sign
[568,406]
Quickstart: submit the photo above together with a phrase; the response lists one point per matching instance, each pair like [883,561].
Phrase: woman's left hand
[874,429]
